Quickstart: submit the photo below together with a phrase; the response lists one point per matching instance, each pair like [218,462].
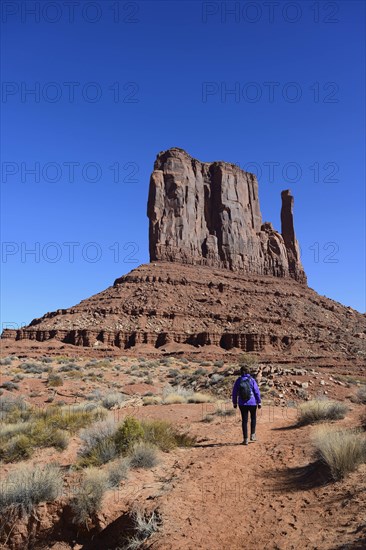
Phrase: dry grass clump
[26,429]
[88,501]
[164,435]
[54,380]
[199,397]
[27,486]
[145,525]
[178,394]
[174,399]
[342,450]
[320,411]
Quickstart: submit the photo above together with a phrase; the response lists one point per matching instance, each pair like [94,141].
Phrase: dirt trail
[263,495]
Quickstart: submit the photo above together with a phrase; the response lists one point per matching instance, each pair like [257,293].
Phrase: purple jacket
[256,396]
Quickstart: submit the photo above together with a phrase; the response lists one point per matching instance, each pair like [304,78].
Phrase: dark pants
[245,409]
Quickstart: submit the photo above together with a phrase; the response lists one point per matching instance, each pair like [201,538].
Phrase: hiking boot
[245,442]
[253,438]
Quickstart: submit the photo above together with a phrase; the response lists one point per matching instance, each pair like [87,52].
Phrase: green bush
[128,433]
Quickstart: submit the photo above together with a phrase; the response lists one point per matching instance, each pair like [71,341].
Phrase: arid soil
[218,493]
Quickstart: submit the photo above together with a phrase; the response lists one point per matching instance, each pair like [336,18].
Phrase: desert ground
[205,490]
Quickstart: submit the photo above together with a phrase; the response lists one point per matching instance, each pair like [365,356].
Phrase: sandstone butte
[219,279]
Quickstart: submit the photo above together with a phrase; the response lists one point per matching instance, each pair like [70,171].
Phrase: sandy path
[226,495]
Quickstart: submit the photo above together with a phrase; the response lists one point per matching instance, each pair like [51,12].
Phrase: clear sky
[92,91]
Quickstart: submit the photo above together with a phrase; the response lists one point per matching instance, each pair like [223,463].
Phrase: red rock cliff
[208,214]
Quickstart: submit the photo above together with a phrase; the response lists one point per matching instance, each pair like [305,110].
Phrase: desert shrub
[54,380]
[143,455]
[361,395]
[128,433]
[43,434]
[10,386]
[96,433]
[46,359]
[13,409]
[205,364]
[219,363]
[95,395]
[151,400]
[173,373]
[166,361]
[342,450]
[17,448]
[69,367]
[18,378]
[208,418]
[98,445]
[33,368]
[112,400]
[320,411]
[6,361]
[27,486]
[198,397]
[102,452]
[88,501]
[144,525]
[117,471]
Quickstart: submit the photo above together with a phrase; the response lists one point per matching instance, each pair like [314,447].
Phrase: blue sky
[278,89]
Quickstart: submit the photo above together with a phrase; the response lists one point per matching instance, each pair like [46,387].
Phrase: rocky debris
[208,214]
[204,310]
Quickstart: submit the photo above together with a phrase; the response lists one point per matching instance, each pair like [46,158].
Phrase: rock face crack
[209,214]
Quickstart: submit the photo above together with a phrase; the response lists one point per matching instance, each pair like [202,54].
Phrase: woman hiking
[246,392]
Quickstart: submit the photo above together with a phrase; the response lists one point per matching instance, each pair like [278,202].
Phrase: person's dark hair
[242,371]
